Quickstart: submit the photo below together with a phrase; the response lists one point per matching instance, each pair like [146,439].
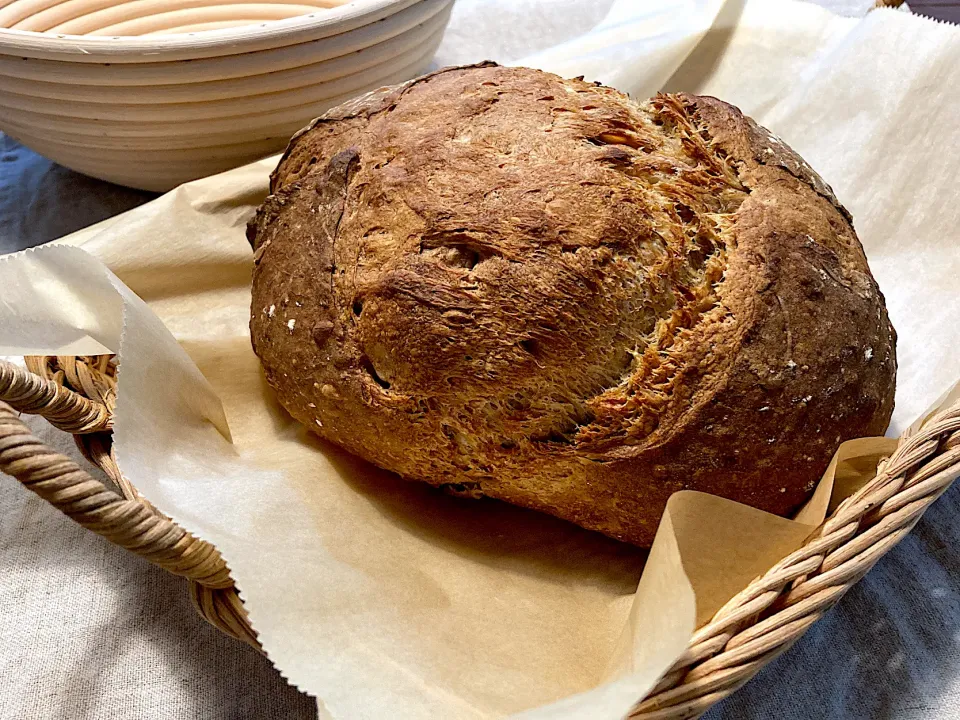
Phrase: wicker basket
[77,394]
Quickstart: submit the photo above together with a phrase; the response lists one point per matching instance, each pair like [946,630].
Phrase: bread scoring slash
[535,289]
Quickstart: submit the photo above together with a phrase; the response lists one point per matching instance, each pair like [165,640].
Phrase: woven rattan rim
[77,394]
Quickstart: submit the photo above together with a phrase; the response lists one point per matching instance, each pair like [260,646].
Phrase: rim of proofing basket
[249,37]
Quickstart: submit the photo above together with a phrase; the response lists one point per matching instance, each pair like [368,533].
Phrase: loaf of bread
[535,289]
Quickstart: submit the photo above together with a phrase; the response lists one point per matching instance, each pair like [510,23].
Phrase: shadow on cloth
[42,201]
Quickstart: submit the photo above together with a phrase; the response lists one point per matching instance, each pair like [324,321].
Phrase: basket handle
[62,407]
[125,519]
[130,524]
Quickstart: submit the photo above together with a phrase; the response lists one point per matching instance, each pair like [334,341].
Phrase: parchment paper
[386,599]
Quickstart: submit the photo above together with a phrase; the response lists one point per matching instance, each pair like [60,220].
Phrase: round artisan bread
[538,290]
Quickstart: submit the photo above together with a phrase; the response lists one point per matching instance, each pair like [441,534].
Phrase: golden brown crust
[534,289]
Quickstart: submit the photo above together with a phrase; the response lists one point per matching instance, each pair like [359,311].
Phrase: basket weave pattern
[77,394]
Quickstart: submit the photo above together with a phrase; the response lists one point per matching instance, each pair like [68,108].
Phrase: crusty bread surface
[535,289]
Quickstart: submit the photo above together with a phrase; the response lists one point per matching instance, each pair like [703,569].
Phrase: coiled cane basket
[77,395]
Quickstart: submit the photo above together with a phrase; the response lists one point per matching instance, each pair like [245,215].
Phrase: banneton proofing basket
[77,394]
[153,93]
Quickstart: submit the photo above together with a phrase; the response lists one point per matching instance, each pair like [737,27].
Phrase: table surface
[90,631]
[947,10]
